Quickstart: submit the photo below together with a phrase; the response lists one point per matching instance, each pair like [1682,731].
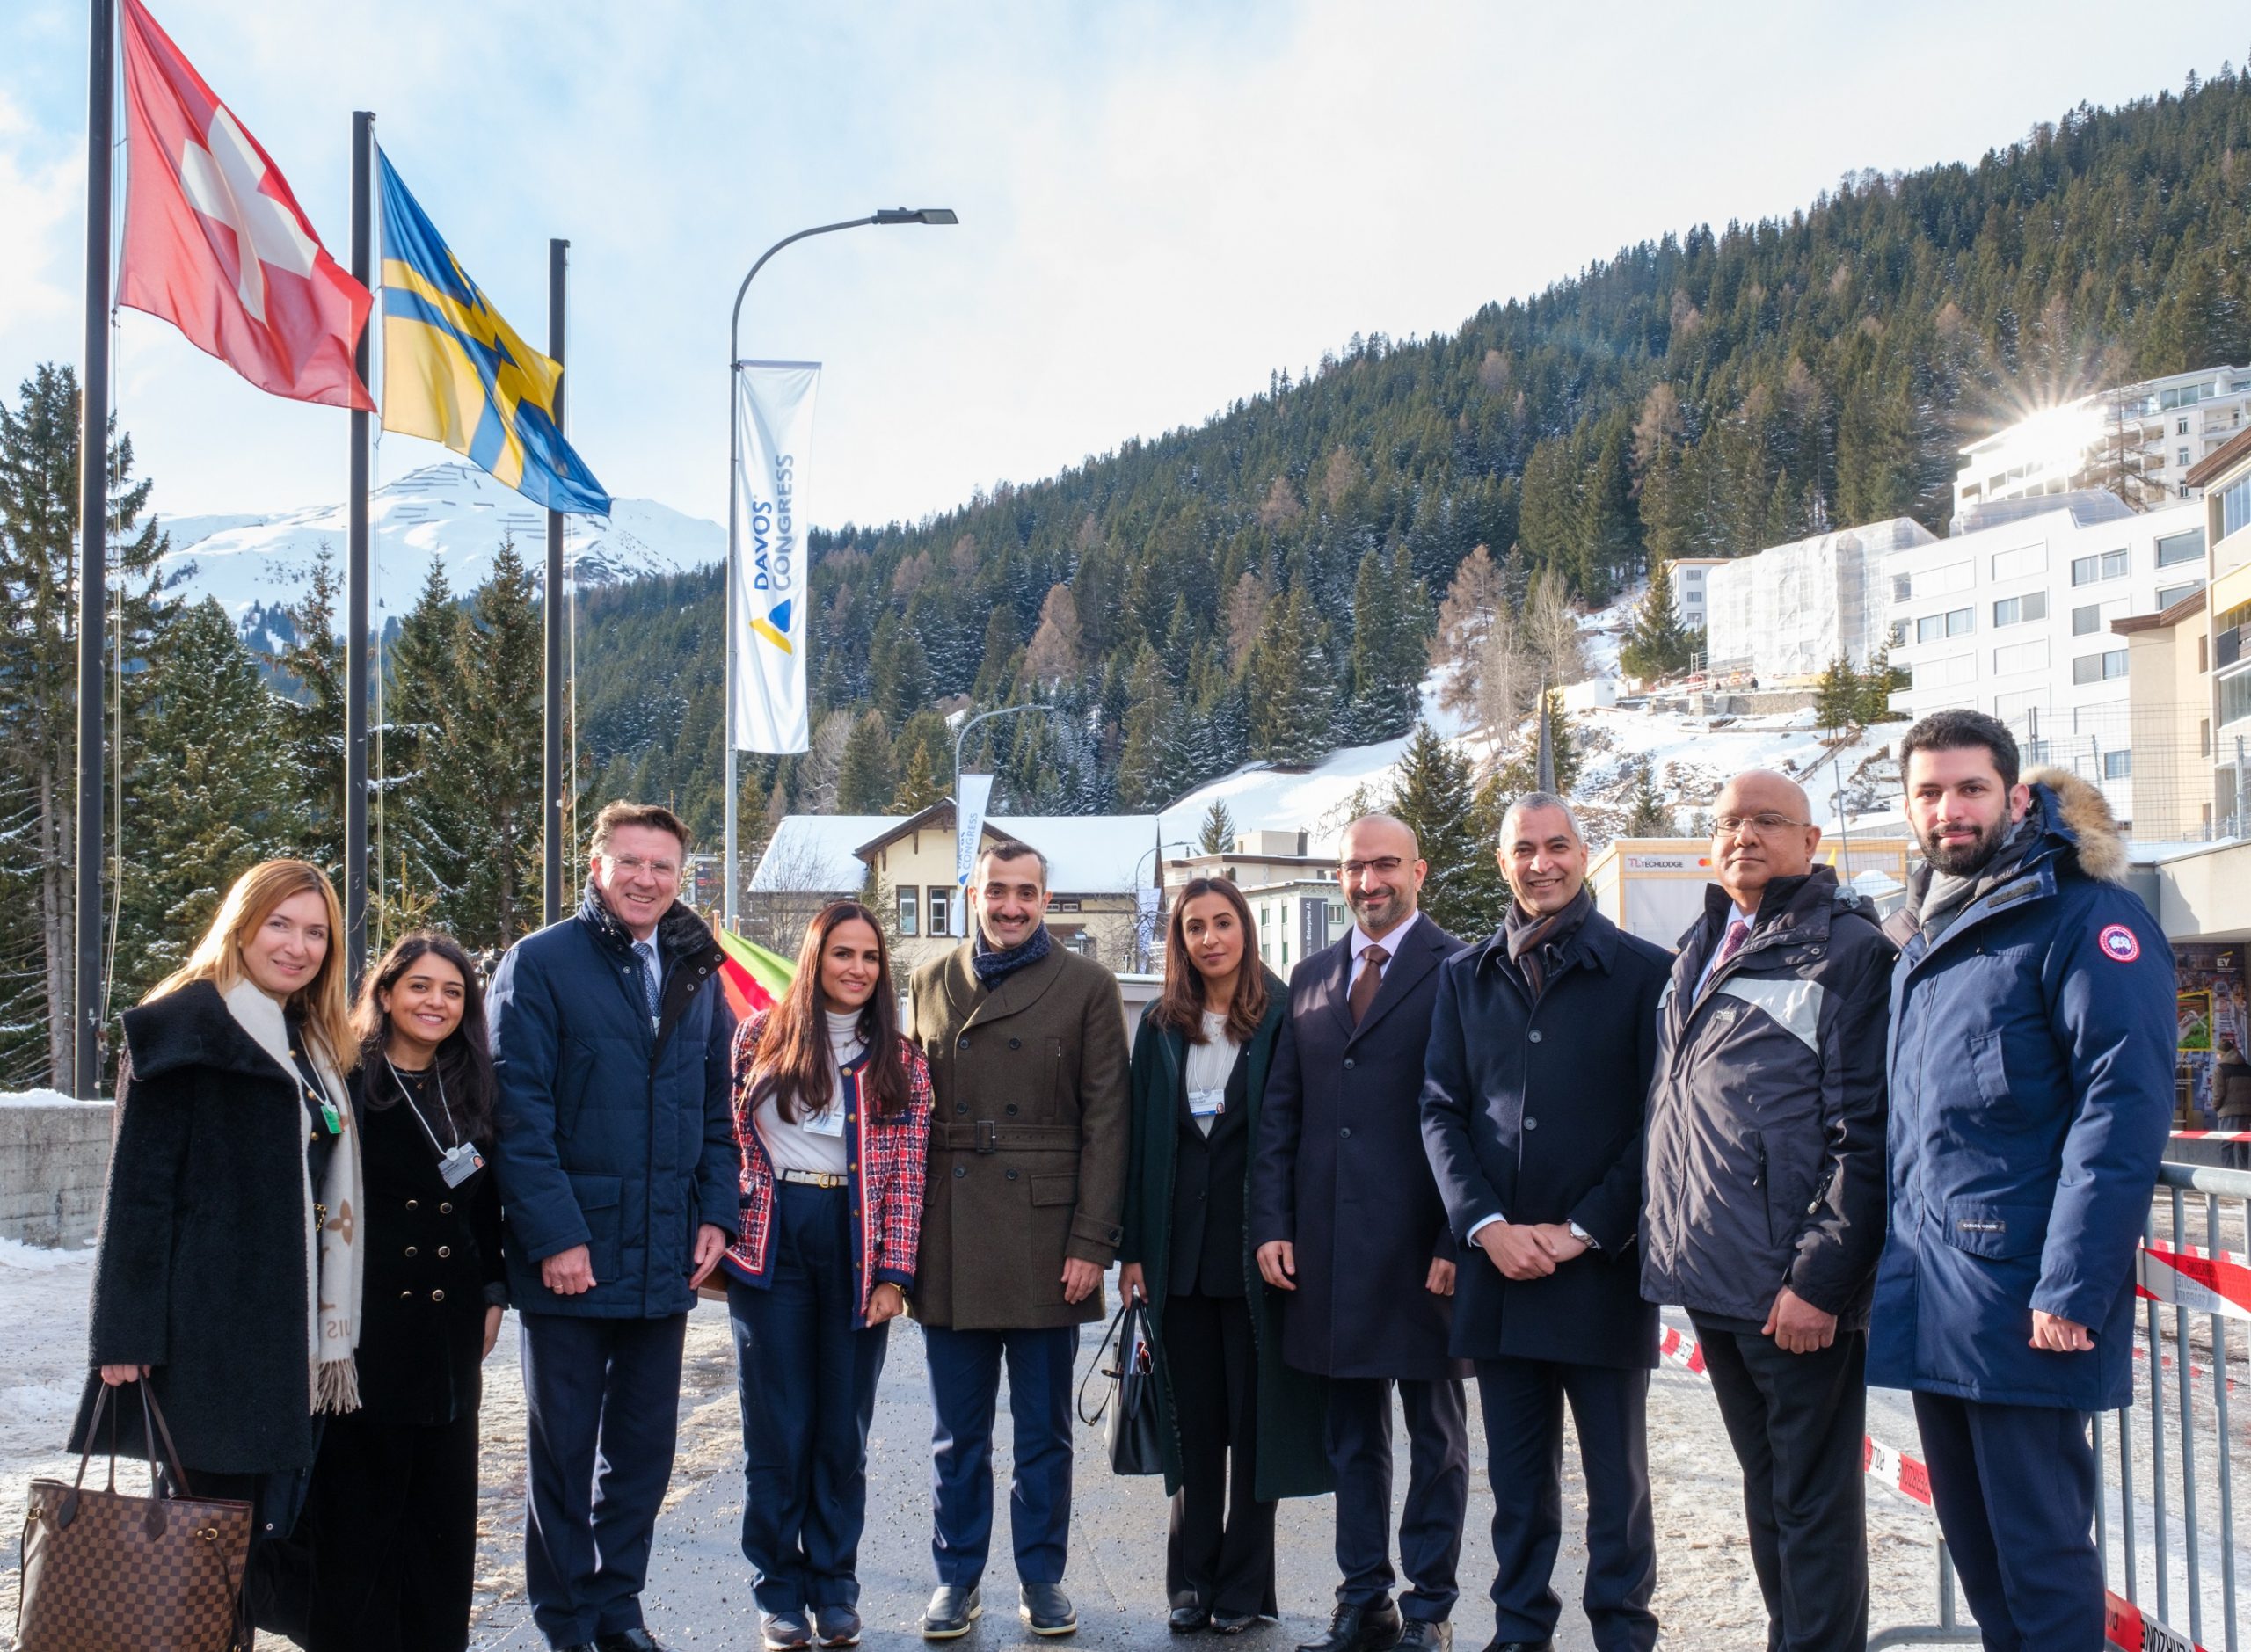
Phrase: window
[909,910]
[2234,508]
[2016,565]
[2027,706]
[2182,460]
[941,908]
[2103,667]
[2086,620]
[2173,593]
[2110,565]
[1932,627]
[2175,549]
[1336,915]
[1903,584]
[2032,656]
[1898,633]
[1939,582]
[2118,765]
[1950,673]
[2180,426]
[2033,605]
[2234,697]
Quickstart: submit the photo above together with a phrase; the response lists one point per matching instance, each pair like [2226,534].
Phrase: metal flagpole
[356,560]
[93,562]
[551,907]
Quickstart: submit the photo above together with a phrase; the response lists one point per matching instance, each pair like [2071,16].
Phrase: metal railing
[2170,1554]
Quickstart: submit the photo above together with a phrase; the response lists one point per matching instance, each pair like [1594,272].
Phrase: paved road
[699,1588]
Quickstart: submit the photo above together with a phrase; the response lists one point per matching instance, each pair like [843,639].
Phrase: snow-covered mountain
[257,565]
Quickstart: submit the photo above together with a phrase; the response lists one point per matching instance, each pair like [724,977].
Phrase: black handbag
[1136,1448]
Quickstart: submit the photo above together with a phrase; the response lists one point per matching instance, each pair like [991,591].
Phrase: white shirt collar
[1390,944]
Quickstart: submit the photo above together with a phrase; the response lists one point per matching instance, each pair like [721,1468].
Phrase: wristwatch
[1583,1237]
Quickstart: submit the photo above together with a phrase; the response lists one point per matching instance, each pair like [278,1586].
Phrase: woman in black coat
[1240,1428]
[229,1271]
[391,1527]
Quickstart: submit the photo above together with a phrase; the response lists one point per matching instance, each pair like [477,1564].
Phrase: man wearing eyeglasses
[617,1168]
[1764,1214]
[1347,1223]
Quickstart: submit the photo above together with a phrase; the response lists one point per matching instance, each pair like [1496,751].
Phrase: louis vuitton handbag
[104,1570]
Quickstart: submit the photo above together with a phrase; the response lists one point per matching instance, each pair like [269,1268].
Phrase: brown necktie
[1369,984]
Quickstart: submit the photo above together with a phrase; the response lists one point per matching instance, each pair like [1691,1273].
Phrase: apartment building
[1785,614]
[1691,579]
[2013,617]
[2140,440]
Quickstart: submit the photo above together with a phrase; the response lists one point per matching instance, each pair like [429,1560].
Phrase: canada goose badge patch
[2119,943]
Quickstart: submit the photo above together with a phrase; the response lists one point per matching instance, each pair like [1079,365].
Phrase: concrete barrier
[54,1160]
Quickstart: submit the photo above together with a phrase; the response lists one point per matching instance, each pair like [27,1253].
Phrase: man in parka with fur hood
[2031,1071]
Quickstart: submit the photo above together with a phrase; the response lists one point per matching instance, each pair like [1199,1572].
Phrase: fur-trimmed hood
[2075,810]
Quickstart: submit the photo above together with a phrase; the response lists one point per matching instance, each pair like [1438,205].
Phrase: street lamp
[1143,935]
[887,216]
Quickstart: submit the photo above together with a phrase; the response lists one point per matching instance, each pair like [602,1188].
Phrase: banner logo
[767,609]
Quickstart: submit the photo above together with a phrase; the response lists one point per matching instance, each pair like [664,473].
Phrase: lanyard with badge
[829,1121]
[457,1163]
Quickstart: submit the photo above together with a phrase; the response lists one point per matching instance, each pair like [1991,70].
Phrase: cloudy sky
[1160,203]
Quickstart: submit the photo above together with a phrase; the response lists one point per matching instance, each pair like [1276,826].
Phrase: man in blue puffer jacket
[2031,1070]
[617,1163]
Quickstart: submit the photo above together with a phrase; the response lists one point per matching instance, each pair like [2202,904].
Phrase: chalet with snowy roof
[903,865]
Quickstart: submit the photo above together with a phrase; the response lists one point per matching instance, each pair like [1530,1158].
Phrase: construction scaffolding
[1793,609]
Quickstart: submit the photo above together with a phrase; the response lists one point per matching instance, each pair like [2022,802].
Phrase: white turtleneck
[803,1145]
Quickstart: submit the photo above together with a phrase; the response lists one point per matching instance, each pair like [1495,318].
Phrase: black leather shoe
[1519,1646]
[837,1626]
[1419,1634]
[1233,1622]
[952,1608]
[1188,1619]
[1371,1625]
[627,1640]
[1046,1608]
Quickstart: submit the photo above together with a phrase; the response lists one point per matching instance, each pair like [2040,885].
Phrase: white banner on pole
[771,577]
[969,829]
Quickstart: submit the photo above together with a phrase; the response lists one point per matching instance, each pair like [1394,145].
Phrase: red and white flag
[216,245]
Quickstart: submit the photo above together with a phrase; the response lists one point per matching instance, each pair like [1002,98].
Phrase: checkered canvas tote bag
[104,1570]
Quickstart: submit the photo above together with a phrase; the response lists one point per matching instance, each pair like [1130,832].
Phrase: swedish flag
[457,374]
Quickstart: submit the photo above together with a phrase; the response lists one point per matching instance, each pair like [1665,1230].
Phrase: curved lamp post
[889,216]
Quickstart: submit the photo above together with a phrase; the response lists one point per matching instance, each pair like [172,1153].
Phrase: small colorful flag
[754,979]
[215,242]
[455,373]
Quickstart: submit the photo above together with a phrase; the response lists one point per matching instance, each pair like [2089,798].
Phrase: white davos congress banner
[768,614]
[969,831]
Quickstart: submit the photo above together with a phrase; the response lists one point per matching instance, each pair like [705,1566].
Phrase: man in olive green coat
[1021,1216]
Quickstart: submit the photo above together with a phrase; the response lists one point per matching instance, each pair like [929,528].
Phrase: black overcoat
[201,1271]
[433,1264]
[1293,1407]
[1340,1171]
[1534,1112]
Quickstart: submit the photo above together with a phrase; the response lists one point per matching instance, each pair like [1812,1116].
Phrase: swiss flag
[215,243]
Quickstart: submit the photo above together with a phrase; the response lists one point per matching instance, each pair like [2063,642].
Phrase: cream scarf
[333,1259]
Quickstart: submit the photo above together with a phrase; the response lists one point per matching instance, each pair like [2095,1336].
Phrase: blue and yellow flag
[457,374]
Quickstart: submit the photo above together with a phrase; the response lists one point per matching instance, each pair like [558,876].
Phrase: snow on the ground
[43,1098]
[43,1300]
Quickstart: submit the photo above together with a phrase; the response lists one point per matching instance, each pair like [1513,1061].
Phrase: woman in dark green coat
[1240,1430]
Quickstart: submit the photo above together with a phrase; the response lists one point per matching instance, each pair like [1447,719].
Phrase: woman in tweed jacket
[832,1116]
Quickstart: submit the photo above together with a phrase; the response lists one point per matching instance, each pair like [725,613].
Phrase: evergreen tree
[1650,817]
[1610,532]
[1150,763]
[432,804]
[1436,794]
[1293,692]
[1387,657]
[39,698]
[1839,696]
[1876,686]
[1519,774]
[1218,833]
[501,731]
[214,800]
[864,782]
[919,786]
[312,673]
[1657,644]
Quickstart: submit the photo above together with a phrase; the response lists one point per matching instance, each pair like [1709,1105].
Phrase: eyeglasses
[633,866]
[1739,826]
[1383,866]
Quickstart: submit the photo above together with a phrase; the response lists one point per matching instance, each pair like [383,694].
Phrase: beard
[1967,860]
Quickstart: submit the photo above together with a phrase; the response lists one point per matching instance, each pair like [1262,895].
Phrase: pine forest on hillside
[1265,586]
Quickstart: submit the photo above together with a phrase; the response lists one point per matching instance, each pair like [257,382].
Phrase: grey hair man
[1764,1216]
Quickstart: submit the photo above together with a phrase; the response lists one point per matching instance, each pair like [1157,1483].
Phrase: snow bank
[43,1098]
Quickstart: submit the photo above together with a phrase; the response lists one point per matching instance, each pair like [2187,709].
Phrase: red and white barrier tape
[2193,1279]
[2211,1135]
[2124,1624]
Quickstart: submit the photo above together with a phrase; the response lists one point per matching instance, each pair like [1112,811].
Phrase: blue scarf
[993,965]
